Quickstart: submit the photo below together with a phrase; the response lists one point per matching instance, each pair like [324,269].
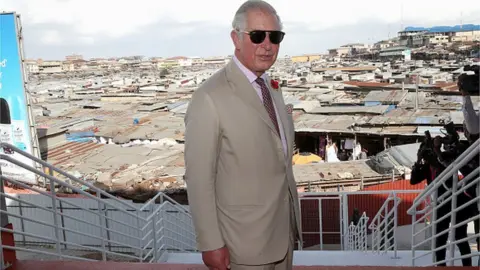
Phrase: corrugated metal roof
[328,122]
[357,68]
[390,97]
[350,110]
[333,171]
[63,153]
[179,107]
[306,105]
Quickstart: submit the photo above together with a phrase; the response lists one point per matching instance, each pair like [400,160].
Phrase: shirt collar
[248,73]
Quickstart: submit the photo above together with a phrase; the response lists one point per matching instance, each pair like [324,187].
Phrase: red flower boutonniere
[274,84]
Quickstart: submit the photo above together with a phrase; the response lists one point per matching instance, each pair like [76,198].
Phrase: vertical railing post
[395,224]
[62,220]
[154,231]
[55,218]
[385,229]
[22,222]
[453,220]
[345,211]
[379,234]
[414,221]
[366,235]
[140,235]
[320,225]
[101,216]
[433,223]
[300,244]
[340,224]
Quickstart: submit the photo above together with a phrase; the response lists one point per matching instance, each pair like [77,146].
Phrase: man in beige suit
[238,154]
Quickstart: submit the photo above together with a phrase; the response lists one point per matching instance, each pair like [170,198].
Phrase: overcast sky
[105,28]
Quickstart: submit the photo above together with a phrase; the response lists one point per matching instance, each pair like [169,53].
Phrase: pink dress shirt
[251,78]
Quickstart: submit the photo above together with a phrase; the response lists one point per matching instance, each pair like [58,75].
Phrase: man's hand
[218,259]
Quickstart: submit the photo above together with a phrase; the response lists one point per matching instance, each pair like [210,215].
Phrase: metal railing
[321,198]
[96,227]
[384,226]
[429,206]
[357,235]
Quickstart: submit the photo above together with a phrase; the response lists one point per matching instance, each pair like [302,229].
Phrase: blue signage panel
[14,116]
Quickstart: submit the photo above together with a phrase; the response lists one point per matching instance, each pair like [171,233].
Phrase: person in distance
[238,154]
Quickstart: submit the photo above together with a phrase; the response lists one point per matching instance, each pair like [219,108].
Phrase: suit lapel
[245,91]
[282,113]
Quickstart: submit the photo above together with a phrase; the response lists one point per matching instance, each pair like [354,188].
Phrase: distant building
[68,66]
[73,57]
[383,44]
[305,58]
[177,61]
[213,61]
[339,52]
[421,36]
[50,67]
[197,61]
[31,66]
[466,36]
[395,53]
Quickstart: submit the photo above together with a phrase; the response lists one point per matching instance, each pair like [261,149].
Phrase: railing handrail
[391,196]
[75,179]
[454,167]
[158,223]
[51,167]
[356,235]
[56,180]
[360,192]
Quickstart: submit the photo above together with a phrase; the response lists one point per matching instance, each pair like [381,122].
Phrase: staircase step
[332,258]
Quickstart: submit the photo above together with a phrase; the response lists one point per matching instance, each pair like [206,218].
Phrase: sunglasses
[258,36]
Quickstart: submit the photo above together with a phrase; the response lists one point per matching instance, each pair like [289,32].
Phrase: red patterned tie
[268,103]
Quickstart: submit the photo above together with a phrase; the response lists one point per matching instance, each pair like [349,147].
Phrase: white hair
[240,20]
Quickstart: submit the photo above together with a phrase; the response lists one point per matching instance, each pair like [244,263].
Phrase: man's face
[257,57]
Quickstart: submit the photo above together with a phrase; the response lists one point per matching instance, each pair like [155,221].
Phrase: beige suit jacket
[240,184]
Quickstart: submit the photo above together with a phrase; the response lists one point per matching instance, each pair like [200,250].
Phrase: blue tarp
[85,136]
[372,103]
[391,107]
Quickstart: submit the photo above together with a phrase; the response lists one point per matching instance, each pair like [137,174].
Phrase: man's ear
[235,39]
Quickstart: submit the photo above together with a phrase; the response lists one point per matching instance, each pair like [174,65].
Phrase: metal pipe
[55,219]
[453,219]
[395,224]
[320,223]
[102,224]
[154,228]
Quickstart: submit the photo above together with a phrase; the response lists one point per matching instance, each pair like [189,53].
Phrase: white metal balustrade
[98,226]
[427,203]
[344,226]
[357,235]
[384,226]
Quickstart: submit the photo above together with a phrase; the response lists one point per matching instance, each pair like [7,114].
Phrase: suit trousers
[287,262]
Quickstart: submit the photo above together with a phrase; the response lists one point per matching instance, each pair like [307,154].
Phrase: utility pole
[416,92]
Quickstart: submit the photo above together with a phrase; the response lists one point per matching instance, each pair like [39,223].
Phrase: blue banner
[14,116]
